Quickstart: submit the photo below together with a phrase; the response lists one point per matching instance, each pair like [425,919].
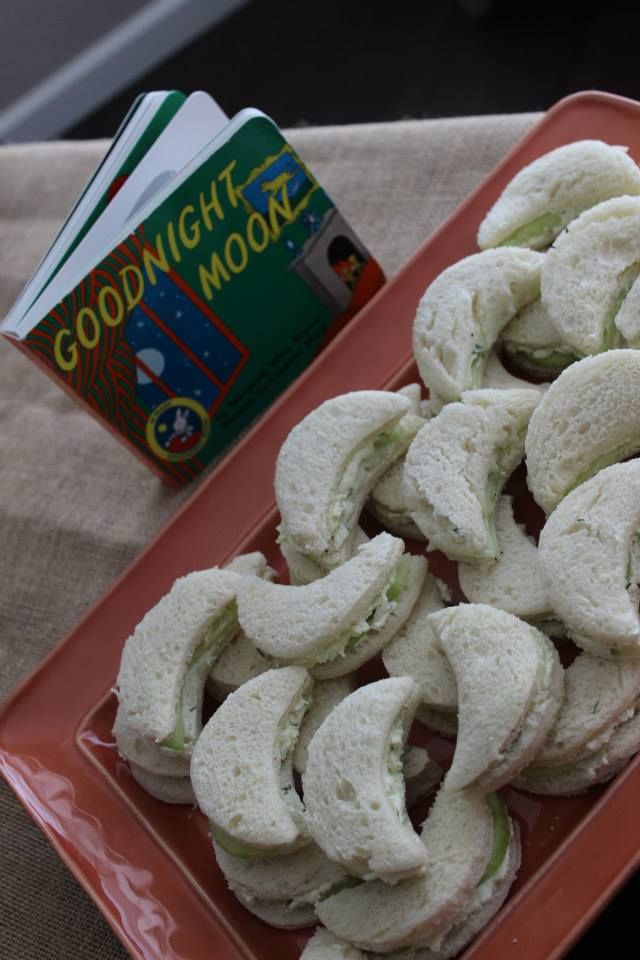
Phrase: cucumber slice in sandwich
[354,787]
[241,767]
[532,342]
[585,550]
[547,194]
[588,273]
[462,313]
[340,620]
[165,661]
[588,419]
[457,465]
[329,464]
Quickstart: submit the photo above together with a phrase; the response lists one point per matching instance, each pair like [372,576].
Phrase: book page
[130,132]
[127,209]
[197,121]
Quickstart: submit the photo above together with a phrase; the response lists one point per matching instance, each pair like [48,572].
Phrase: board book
[200,271]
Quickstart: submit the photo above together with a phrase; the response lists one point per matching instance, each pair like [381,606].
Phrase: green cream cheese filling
[187,725]
[382,609]
[536,233]
[375,452]
[501,836]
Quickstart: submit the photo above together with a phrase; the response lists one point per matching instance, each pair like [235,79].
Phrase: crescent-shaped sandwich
[462,313]
[241,768]
[595,732]
[329,464]
[353,785]
[388,504]
[533,344]
[515,581]
[457,465]
[415,652]
[590,560]
[334,624]
[474,909]
[588,273]
[543,197]
[166,660]
[588,418]
[458,834]
[509,682]
[162,773]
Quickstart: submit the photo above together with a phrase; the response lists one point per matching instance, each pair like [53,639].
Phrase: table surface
[76,507]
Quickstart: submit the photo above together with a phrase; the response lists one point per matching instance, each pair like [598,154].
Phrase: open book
[200,271]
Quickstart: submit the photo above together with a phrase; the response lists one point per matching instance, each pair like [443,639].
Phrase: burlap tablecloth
[77,507]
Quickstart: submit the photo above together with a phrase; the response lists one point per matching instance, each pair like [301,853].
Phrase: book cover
[190,327]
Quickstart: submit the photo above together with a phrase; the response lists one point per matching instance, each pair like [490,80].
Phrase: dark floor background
[353,61]
[350,61]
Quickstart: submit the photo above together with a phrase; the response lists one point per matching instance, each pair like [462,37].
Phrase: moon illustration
[152,359]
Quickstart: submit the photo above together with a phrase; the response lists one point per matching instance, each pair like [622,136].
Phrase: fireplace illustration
[331,262]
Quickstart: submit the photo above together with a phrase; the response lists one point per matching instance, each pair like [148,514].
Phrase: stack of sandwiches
[306,768]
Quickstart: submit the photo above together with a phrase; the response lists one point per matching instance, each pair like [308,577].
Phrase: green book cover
[192,325]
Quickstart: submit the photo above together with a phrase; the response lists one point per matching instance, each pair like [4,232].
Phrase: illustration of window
[181,348]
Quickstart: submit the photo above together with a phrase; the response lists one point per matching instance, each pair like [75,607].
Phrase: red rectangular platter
[150,867]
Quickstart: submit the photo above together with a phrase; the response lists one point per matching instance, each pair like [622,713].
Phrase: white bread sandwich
[353,785]
[588,418]
[329,464]
[491,651]
[590,561]
[539,202]
[327,694]
[533,344]
[166,660]
[515,581]
[462,313]
[588,273]
[458,834]
[334,624]
[474,909]
[595,733]
[457,465]
[415,652]
[567,780]
[241,768]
